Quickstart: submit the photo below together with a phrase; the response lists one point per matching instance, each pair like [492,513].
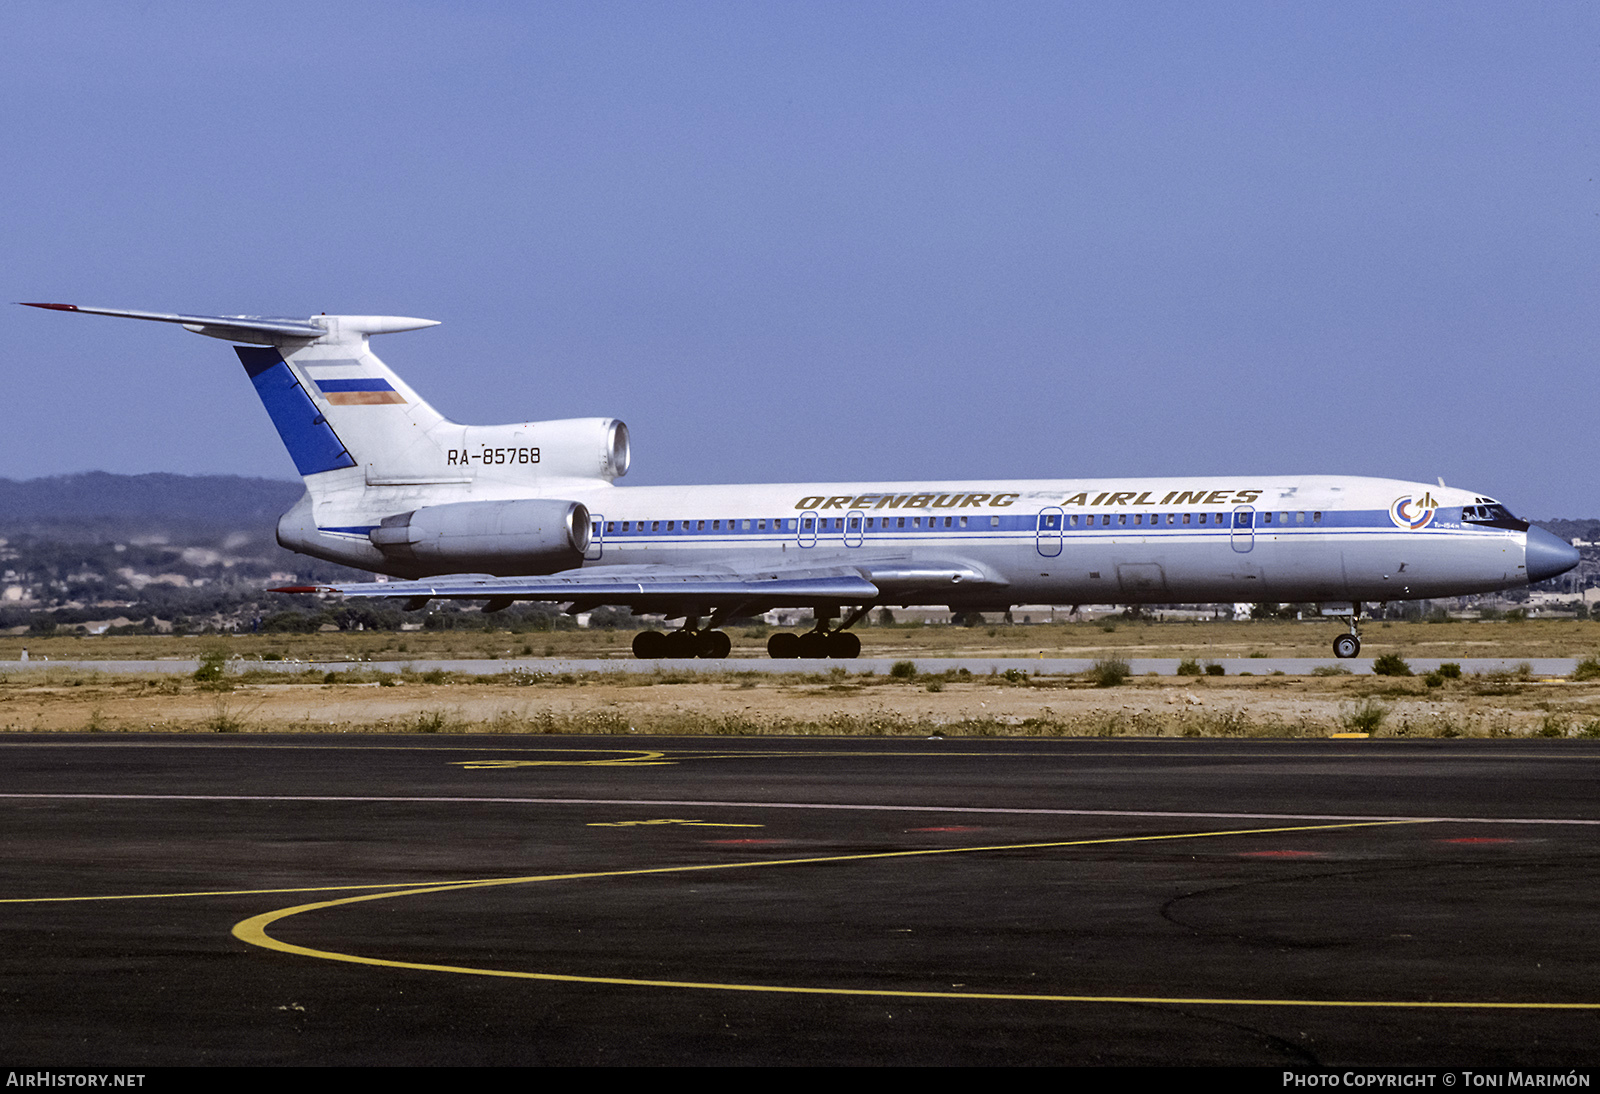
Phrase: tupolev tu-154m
[531,511]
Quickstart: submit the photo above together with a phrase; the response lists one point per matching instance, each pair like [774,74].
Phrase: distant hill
[98,503]
[1585,528]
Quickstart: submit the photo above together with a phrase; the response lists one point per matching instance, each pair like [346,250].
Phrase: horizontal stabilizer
[261,329]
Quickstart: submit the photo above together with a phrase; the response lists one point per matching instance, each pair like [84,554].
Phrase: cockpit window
[1492,515]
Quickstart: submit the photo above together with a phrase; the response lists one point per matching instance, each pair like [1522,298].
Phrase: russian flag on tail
[360,392]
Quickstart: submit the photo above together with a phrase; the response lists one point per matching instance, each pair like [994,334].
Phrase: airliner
[532,511]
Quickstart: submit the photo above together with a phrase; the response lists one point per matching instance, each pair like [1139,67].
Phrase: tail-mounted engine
[533,536]
[569,448]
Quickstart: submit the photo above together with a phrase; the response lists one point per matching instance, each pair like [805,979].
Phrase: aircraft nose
[1548,555]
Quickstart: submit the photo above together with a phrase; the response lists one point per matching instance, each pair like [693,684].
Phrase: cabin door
[1244,529]
[1047,531]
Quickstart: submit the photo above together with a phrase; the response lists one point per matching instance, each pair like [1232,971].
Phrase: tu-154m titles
[530,511]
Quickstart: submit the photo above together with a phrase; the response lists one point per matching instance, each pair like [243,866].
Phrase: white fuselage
[1130,541]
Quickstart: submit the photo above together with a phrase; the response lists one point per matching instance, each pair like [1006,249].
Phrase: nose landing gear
[1349,645]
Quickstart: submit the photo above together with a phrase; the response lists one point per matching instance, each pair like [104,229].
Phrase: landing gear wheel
[715,645]
[1346,645]
[684,644]
[649,645]
[846,646]
[783,646]
[814,644]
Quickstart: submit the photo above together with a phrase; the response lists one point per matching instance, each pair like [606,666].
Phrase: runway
[516,900]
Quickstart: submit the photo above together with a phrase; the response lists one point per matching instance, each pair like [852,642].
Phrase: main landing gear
[820,642]
[1349,645]
[653,645]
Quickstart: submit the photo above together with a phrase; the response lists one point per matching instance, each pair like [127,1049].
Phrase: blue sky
[813,242]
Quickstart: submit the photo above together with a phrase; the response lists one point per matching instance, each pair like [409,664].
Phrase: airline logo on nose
[1413,512]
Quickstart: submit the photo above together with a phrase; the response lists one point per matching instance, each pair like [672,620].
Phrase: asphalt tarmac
[175,900]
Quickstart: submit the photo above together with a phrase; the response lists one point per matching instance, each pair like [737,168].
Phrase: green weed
[1364,717]
[1109,673]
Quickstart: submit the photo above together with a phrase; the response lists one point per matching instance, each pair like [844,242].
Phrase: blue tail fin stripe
[311,442]
[354,385]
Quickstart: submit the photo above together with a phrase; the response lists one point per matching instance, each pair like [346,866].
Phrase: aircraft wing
[658,589]
[674,590]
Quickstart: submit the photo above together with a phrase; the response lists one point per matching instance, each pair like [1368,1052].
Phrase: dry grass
[834,702]
[1123,640]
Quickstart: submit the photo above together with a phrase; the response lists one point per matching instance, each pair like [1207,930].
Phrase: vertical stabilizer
[371,450]
[337,406]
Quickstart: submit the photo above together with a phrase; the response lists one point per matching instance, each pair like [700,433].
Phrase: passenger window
[994,522]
